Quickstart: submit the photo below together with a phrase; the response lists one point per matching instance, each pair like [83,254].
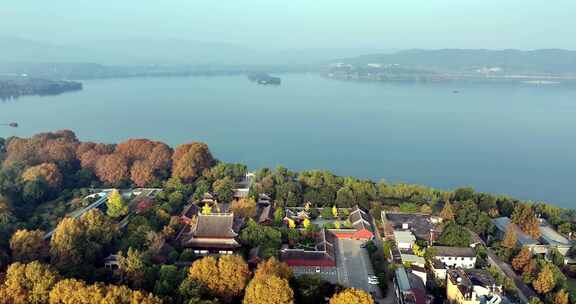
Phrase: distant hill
[542,61]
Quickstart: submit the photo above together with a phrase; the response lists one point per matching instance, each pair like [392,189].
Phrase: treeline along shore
[131,250]
[15,87]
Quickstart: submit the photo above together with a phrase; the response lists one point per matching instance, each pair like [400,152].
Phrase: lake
[516,140]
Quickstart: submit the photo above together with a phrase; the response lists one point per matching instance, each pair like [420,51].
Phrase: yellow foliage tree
[291,223]
[225,277]
[27,246]
[334,212]
[545,280]
[418,250]
[352,296]
[561,297]
[115,205]
[244,207]
[206,209]
[71,291]
[306,223]
[27,283]
[447,213]
[426,209]
[273,267]
[269,290]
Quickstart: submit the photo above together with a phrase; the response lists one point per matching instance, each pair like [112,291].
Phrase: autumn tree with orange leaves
[141,173]
[190,160]
[59,147]
[147,159]
[522,259]
[525,217]
[112,168]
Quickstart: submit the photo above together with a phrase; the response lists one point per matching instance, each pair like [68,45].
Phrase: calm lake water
[512,140]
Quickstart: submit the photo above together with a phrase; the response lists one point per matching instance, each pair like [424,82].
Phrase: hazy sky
[301,23]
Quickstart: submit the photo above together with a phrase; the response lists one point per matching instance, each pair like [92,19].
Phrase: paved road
[390,296]
[80,212]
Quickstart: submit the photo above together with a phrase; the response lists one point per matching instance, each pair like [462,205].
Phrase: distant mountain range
[162,51]
[540,61]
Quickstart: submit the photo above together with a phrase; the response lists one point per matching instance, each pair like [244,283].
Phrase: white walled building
[456,257]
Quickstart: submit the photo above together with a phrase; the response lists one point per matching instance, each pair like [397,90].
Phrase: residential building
[471,287]
[405,239]
[408,287]
[409,258]
[423,226]
[438,269]
[549,238]
[455,257]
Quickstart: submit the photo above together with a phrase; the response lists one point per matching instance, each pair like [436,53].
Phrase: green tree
[556,257]
[269,239]
[35,191]
[345,198]
[326,213]
[278,216]
[115,205]
[167,283]
[464,194]
[565,228]
[454,235]
[224,189]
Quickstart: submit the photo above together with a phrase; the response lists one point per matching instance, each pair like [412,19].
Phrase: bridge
[78,213]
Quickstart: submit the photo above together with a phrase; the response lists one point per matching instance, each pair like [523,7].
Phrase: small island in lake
[263,78]
[14,87]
